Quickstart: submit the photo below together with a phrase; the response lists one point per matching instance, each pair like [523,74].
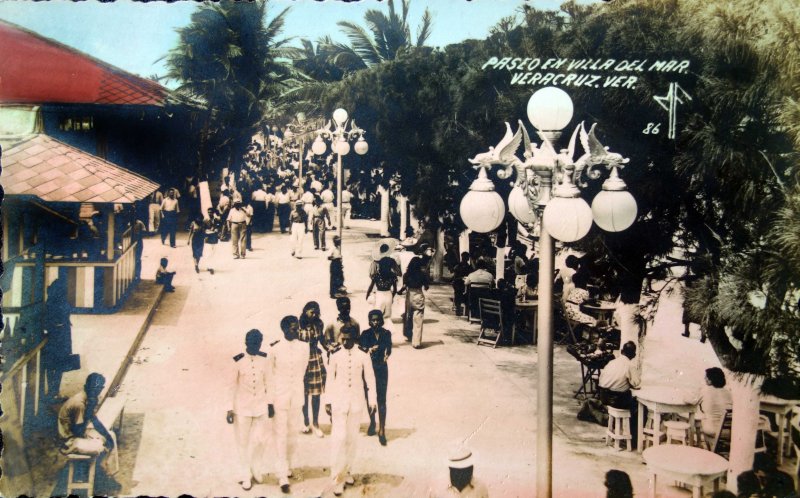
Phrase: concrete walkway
[179,385]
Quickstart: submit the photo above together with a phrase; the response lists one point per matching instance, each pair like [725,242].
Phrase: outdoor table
[663,400]
[530,310]
[591,363]
[686,464]
[603,310]
[782,408]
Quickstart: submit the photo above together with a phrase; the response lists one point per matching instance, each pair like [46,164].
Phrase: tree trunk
[627,316]
[402,206]
[438,257]
[384,193]
[745,393]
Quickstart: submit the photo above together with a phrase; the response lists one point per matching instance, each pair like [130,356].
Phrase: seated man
[616,380]
[460,272]
[765,480]
[480,276]
[164,277]
[79,429]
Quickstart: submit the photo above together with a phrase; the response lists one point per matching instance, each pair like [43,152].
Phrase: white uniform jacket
[250,396]
[347,371]
[288,361]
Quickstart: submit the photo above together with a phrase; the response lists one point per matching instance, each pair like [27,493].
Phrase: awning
[43,167]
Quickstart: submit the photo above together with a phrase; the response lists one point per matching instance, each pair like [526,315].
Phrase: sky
[134,36]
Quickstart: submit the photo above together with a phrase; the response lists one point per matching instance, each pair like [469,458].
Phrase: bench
[110,414]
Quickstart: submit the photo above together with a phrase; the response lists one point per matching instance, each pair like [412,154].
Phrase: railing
[15,380]
[93,286]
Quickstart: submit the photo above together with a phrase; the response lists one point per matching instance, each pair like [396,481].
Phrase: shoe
[306,430]
[283,482]
[371,430]
[236,257]
[173,246]
[169,289]
[196,269]
[349,480]
[247,485]
[292,253]
[417,347]
[318,432]
[685,334]
[338,488]
[211,271]
[382,439]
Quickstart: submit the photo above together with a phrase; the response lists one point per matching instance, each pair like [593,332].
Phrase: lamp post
[340,137]
[546,189]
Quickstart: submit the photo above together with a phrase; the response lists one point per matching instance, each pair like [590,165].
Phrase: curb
[126,362]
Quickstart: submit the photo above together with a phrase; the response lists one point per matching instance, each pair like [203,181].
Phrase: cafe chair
[764,427]
[619,428]
[677,430]
[474,293]
[492,322]
[720,443]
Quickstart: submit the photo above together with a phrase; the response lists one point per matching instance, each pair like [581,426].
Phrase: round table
[782,408]
[604,310]
[685,464]
[661,400]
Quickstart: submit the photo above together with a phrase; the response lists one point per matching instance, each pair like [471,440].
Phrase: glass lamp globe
[274,129]
[482,209]
[614,210]
[342,147]
[318,147]
[519,207]
[361,146]
[567,218]
[340,116]
[550,109]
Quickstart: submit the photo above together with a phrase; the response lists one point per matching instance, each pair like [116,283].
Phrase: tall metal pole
[302,151]
[544,389]
[339,218]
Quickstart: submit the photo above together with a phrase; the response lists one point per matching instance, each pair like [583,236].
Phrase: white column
[402,205]
[544,389]
[500,263]
[384,193]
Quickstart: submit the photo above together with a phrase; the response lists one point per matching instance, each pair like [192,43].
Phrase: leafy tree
[227,58]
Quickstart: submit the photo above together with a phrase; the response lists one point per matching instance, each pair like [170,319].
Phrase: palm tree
[228,59]
[386,36]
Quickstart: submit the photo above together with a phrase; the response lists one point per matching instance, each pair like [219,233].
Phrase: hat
[460,457]
[383,248]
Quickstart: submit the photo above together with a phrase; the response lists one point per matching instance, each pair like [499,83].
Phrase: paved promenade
[178,386]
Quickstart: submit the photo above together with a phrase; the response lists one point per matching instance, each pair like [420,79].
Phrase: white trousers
[210,255]
[383,302]
[94,444]
[154,219]
[298,233]
[344,435]
[250,441]
[284,440]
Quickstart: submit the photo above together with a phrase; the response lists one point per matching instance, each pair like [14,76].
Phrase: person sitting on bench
[164,277]
[79,429]
[615,383]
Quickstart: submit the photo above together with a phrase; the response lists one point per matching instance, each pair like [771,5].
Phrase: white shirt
[346,196]
[347,371]
[326,195]
[259,195]
[479,277]
[170,205]
[307,198]
[288,362]
[250,398]
[620,375]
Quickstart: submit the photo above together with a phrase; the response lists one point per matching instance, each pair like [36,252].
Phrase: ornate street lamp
[564,216]
[340,137]
[299,129]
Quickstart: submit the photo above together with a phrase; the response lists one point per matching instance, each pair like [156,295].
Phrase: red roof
[37,70]
[53,171]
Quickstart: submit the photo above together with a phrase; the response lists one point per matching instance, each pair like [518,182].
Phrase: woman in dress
[311,331]
[385,280]
[211,228]
[197,239]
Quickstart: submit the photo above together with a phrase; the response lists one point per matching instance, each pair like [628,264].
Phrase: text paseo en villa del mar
[594,73]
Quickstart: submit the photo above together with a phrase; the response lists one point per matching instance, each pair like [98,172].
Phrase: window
[73,123]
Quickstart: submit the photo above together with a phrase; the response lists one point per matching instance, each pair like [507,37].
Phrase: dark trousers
[165,279]
[337,276]
[249,236]
[169,226]
[458,295]
[622,400]
[283,216]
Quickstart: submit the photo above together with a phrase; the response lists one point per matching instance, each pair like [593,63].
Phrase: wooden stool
[74,460]
[619,428]
[651,433]
[677,431]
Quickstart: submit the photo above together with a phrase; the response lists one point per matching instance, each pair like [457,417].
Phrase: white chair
[677,430]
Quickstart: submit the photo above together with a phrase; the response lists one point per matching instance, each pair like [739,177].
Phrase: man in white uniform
[252,406]
[349,368]
[288,361]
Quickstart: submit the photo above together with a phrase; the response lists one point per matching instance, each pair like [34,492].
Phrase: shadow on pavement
[171,307]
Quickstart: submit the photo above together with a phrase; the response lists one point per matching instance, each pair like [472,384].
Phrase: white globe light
[550,109]
[318,147]
[567,218]
[519,207]
[342,147]
[340,116]
[482,211]
[614,210]
[361,146]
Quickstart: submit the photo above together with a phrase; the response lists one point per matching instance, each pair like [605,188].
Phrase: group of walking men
[269,388]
